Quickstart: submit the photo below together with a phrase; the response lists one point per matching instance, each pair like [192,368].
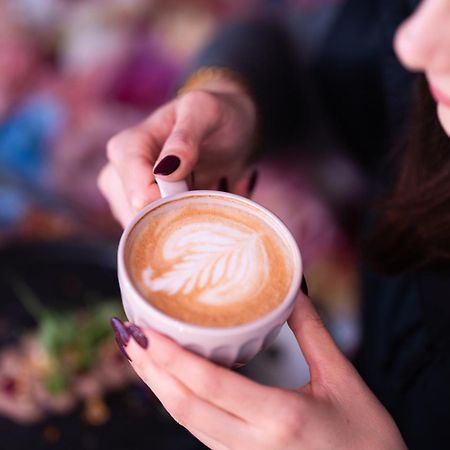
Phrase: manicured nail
[167,165]
[252,183]
[138,335]
[122,335]
[304,286]
[223,184]
[120,330]
[122,348]
[192,179]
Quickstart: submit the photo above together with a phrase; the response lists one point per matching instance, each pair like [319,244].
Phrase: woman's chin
[443,112]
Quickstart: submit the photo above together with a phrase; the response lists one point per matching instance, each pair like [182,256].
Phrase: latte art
[209,263]
[222,263]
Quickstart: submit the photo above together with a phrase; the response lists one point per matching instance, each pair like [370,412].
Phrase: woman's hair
[414,225]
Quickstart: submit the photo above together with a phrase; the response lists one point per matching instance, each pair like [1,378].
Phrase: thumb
[318,347]
[180,151]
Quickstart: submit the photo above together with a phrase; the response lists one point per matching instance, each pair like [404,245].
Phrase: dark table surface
[61,272]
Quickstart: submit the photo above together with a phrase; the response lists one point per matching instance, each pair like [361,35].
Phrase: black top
[337,67]
[405,357]
[332,66]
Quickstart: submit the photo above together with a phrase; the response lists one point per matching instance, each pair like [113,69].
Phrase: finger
[318,347]
[190,411]
[132,155]
[197,113]
[111,187]
[246,185]
[227,390]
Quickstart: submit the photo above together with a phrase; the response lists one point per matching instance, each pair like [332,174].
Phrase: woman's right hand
[211,129]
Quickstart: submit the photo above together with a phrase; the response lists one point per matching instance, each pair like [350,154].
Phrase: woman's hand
[225,410]
[211,129]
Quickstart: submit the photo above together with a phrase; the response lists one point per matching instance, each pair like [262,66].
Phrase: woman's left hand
[226,410]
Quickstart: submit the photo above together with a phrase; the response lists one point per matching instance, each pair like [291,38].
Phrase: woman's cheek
[444,117]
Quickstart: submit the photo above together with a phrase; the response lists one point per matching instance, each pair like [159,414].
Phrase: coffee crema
[209,261]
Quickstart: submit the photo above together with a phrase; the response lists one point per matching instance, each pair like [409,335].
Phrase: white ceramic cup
[228,346]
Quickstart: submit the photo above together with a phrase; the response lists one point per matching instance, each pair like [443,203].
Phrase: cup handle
[167,188]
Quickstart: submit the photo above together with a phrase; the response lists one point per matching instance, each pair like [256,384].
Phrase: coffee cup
[214,271]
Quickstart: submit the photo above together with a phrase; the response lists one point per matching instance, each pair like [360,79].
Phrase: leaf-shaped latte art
[219,263]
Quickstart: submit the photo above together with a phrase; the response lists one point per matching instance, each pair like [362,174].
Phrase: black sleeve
[261,52]
[338,90]
[425,411]
[405,351]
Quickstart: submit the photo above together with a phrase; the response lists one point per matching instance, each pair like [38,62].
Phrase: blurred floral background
[72,74]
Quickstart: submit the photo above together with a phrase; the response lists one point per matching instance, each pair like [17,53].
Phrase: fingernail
[167,165]
[304,286]
[138,335]
[122,335]
[122,348]
[252,183]
[193,179]
[223,184]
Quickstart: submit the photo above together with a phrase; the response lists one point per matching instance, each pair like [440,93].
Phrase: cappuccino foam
[209,261]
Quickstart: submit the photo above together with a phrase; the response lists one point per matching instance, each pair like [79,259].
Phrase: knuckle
[105,180]
[207,101]
[196,96]
[114,147]
[287,428]
[284,434]
[183,137]
[117,146]
[179,405]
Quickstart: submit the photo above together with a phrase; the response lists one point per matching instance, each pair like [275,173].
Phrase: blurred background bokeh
[72,74]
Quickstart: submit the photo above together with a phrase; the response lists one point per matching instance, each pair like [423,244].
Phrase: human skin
[223,409]
[422,43]
[210,129]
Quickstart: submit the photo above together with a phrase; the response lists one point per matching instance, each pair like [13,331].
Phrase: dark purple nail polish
[192,179]
[304,286]
[122,335]
[167,165]
[223,184]
[120,330]
[252,183]
[138,335]
[122,348]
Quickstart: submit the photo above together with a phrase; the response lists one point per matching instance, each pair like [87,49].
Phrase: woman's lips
[439,96]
